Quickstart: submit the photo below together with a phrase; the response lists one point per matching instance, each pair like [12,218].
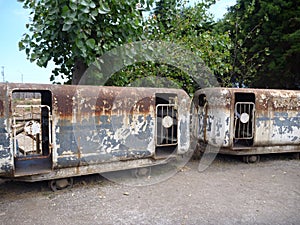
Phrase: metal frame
[244,129]
[164,132]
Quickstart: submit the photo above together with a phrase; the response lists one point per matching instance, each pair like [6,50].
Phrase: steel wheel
[60,184]
[251,158]
[141,172]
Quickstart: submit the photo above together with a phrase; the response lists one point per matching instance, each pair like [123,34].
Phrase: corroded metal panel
[6,158]
[96,125]
[214,119]
[276,118]
[103,124]
[184,105]
[107,124]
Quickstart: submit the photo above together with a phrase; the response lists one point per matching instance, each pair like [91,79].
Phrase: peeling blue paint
[68,161]
[5,153]
[281,114]
[7,168]
[294,138]
[183,127]
[227,121]
[86,138]
[209,123]
[219,126]
[227,137]
[285,124]
[276,119]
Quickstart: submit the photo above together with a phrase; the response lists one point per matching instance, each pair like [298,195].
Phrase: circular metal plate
[167,121]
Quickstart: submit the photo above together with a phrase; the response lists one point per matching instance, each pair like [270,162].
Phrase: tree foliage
[266,37]
[192,28]
[165,11]
[74,33]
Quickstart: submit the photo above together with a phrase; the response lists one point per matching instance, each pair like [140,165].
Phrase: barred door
[166,125]
[244,120]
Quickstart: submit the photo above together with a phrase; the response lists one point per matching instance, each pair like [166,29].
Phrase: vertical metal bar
[242,124]
[252,119]
[205,120]
[38,141]
[235,120]
[172,127]
[50,130]
[245,124]
[167,130]
[161,125]
[15,136]
[248,123]
[157,126]
[239,129]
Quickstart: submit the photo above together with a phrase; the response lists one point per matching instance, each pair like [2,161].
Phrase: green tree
[165,11]
[266,37]
[191,27]
[74,33]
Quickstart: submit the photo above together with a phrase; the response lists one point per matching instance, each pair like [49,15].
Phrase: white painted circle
[245,118]
[167,121]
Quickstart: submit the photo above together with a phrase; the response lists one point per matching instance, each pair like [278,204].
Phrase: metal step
[32,166]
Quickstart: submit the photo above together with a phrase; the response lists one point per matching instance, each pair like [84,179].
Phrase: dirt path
[228,192]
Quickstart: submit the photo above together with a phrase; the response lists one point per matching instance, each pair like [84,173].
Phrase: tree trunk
[79,69]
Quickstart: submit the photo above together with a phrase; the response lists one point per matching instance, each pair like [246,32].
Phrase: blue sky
[16,66]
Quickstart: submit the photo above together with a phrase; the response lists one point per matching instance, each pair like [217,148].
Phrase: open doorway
[166,123]
[31,130]
[244,109]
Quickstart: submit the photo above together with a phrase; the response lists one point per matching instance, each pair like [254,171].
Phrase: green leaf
[84,3]
[94,12]
[73,6]
[92,5]
[79,44]
[84,9]
[66,27]
[65,11]
[53,11]
[21,46]
[68,21]
[90,43]
[101,11]
[103,8]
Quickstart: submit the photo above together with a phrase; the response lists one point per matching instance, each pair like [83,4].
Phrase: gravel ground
[228,192]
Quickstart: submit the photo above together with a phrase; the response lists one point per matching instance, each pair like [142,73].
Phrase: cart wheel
[141,172]
[60,184]
[251,158]
[199,151]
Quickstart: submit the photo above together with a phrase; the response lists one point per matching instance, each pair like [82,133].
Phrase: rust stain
[275,117]
[102,101]
[63,97]
[113,124]
[2,98]
[1,108]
